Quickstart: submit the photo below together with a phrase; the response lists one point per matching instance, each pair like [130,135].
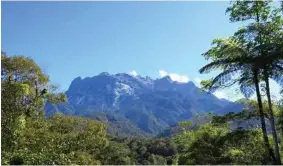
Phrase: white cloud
[174,76]
[163,73]
[220,95]
[133,73]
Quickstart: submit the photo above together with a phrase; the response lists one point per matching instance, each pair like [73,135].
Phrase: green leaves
[185,124]
[25,85]
[56,98]
[254,53]
[23,94]
[215,144]
[248,10]
[226,48]
[206,84]
[25,88]
[60,140]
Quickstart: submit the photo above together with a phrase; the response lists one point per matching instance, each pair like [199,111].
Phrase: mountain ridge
[151,105]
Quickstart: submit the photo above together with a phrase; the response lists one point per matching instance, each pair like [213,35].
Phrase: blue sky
[70,39]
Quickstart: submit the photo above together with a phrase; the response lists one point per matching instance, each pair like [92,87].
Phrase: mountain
[144,105]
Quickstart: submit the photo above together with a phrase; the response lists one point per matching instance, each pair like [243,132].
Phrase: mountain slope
[145,105]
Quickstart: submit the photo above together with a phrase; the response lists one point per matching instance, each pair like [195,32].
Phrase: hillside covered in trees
[253,135]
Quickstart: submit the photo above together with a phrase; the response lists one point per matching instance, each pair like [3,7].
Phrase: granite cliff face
[143,103]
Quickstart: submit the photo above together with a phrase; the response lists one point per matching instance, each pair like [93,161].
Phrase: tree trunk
[262,119]
[256,81]
[273,128]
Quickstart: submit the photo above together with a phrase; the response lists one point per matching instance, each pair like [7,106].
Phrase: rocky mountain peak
[104,74]
[148,104]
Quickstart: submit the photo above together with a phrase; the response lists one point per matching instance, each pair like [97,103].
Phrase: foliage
[253,54]
[25,88]
[212,144]
[59,140]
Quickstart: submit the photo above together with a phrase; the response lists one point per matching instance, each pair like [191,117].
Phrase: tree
[117,154]
[25,89]
[269,72]
[202,146]
[265,33]
[235,59]
[61,140]
[260,48]
[245,147]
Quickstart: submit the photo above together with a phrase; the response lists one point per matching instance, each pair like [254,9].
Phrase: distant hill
[135,105]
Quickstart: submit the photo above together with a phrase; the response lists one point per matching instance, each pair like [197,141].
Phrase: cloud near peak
[133,73]
[174,76]
[184,79]
[220,95]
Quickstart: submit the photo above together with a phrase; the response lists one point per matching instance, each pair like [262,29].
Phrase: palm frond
[226,48]
[222,79]
[247,86]
[247,89]
[239,62]
[213,65]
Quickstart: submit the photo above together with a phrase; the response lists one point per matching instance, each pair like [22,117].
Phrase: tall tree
[234,58]
[25,89]
[264,27]
[266,35]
